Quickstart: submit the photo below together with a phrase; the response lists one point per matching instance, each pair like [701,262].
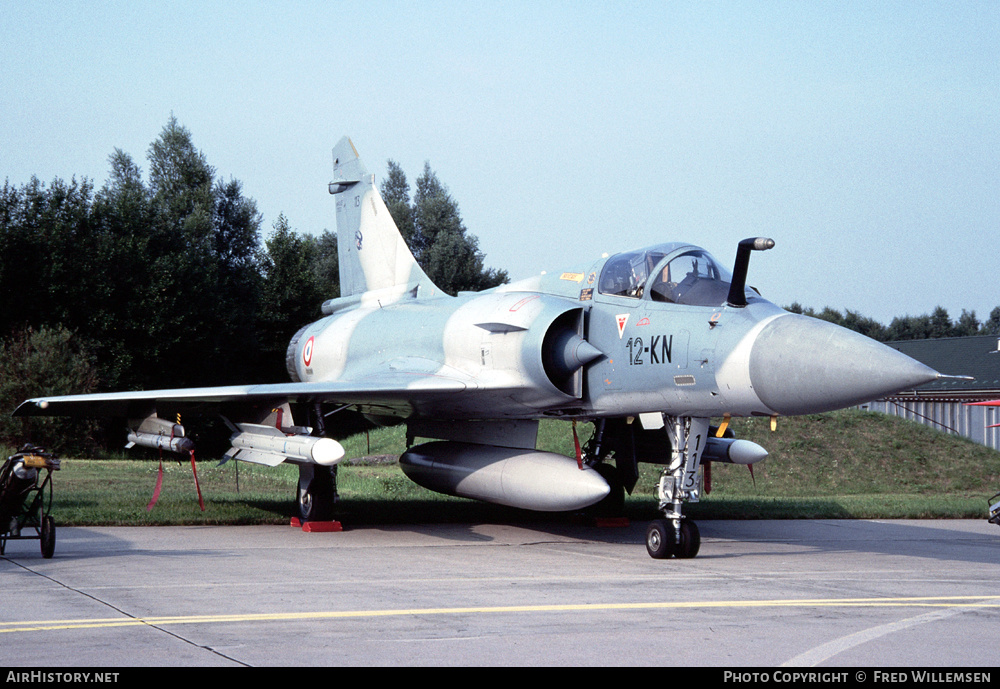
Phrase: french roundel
[307,352]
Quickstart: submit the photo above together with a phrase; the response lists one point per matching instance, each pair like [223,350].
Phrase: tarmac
[810,593]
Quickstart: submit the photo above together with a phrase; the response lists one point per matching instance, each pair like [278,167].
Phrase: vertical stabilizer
[373,255]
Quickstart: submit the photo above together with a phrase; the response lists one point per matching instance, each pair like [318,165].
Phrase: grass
[848,464]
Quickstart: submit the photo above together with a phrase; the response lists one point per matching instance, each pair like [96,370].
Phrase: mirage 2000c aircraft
[648,345]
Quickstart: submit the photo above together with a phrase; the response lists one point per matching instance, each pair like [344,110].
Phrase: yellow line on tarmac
[104,623]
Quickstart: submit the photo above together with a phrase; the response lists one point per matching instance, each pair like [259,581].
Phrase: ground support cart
[26,498]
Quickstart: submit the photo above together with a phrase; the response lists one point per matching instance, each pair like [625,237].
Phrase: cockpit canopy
[690,277]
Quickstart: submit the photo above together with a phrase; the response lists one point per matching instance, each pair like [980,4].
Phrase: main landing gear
[675,535]
[317,492]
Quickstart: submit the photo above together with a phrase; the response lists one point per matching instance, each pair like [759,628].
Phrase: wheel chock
[611,522]
[317,527]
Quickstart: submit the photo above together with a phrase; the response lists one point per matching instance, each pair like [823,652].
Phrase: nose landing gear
[675,535]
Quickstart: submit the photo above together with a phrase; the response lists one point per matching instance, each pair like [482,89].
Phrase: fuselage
[641,331]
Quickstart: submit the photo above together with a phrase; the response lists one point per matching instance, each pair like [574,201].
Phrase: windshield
[693,278]
[625,275]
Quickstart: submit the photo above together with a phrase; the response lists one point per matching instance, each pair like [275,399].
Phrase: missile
[159,434]
[732,451]
[527,479]
[271,446]
[178,444]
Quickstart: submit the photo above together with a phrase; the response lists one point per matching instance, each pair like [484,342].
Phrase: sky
[863,137]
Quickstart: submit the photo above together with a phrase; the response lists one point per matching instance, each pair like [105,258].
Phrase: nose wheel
[664,540]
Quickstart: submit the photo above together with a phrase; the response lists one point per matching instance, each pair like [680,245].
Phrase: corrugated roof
[976,356]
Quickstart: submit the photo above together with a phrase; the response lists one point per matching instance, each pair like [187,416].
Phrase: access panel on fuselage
[664,353]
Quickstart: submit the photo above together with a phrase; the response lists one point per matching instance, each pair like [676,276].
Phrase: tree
[49,361]
[396,194]
[934,325]
[910,328]
[941,323]
[182,306]
[325,264]
[118,326]
[180,181]
[968,325]
[868,327]
[42,274]
[202,268]
[992,325]
[237,257]
[290,297]
[159,281]
[435,233]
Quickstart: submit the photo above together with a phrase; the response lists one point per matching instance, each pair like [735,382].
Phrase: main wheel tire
[660,539]
[48,537]
[315,493]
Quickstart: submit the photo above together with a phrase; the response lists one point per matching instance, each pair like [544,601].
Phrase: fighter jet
[649,345]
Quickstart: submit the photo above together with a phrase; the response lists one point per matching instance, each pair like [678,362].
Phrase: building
[944,404]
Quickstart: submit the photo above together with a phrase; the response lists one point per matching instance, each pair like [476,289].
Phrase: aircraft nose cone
[803,365]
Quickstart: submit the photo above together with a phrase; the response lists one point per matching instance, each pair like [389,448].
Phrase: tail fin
[372,253]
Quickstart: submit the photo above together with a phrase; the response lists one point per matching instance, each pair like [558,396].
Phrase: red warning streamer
[159,483]
[156,491]
[194,470]
[159,479]
[576,442]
